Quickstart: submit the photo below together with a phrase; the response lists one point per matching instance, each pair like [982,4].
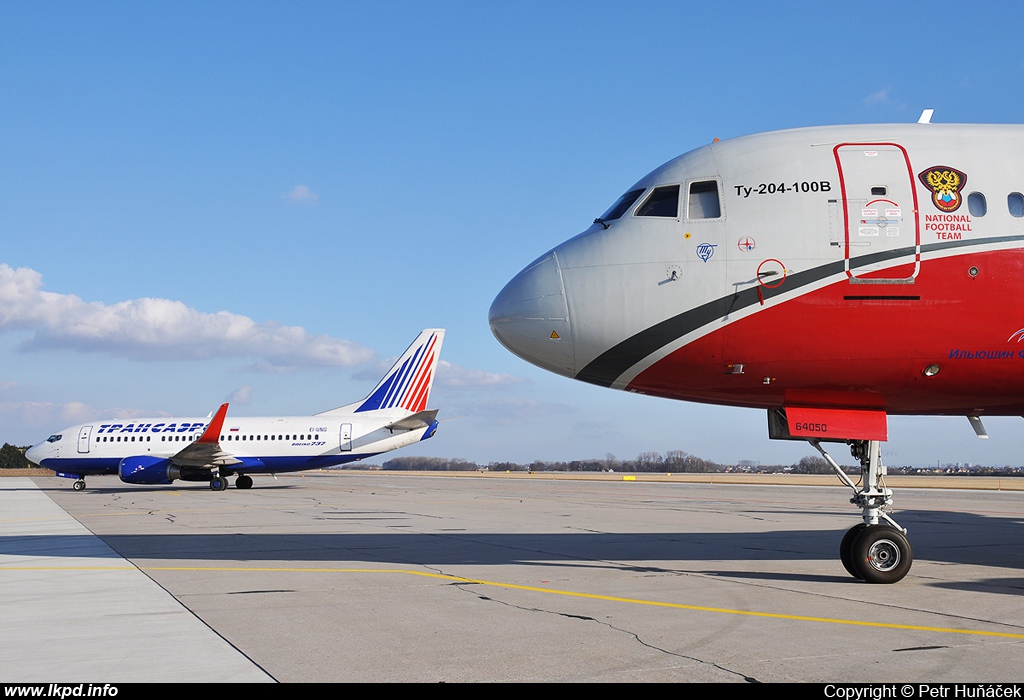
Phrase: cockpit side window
[621,206]
[703,200]
[663,201]
[54,438]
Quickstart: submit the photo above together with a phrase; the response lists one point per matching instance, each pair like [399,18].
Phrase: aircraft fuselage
[263,445]
[874,266]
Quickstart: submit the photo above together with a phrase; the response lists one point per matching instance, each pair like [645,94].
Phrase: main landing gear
[877,550]
[219,482]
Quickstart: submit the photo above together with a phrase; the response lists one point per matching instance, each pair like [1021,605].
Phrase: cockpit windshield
[54,438]
[663,201]
[621,206]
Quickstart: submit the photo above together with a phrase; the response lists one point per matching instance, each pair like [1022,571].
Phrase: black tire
[881,554]
[243,482]
[218,483]
[79,485]
[845,547]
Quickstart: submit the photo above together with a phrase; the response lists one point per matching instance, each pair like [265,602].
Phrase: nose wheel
[876,550]
[876,553]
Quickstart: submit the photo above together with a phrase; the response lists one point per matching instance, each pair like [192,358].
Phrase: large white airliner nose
[530,317]
[35,453]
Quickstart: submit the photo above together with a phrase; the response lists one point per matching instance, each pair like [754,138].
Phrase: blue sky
[265,202]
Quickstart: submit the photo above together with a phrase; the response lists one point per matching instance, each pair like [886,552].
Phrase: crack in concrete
[464,586]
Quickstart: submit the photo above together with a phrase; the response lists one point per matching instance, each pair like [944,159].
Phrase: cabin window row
[977,204]
[231,436]
[193,438]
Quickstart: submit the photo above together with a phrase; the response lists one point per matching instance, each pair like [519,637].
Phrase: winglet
[212,433]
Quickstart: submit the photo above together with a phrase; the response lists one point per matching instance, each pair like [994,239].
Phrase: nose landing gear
[877,550]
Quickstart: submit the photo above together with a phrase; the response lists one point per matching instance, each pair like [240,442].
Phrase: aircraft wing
[206,451]
[423,419]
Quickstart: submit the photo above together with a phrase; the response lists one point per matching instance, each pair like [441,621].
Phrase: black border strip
[612,363]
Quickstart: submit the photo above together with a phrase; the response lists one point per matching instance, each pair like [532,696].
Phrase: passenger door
[83,439]
[881,231]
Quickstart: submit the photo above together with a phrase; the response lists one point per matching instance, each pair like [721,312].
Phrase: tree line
[12,457]
[672,461]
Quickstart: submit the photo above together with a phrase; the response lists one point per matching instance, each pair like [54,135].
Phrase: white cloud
[458,377]
[158,329]
[878,97]
[43,413]
[511,411]
[301,194]
[242,395]
[374,371]
[449,376]
[885,98]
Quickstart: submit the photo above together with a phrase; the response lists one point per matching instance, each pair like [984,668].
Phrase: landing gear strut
[877,550]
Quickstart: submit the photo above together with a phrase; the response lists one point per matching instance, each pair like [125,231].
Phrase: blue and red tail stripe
[400,386]
[408,383]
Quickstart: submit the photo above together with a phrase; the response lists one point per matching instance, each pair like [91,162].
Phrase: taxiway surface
[383,577]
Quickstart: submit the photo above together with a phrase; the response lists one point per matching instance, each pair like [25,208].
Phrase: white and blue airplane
[162,450]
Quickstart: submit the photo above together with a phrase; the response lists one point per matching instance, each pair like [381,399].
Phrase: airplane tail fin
[407,384]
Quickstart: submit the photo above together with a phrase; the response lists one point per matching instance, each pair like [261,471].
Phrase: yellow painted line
[536,589]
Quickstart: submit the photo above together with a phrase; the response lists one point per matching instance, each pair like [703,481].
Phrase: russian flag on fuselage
[407,384]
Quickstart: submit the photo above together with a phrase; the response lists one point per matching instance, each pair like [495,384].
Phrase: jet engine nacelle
[142,469]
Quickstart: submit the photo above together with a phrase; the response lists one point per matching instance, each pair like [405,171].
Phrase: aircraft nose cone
[34,454]
[530,317]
